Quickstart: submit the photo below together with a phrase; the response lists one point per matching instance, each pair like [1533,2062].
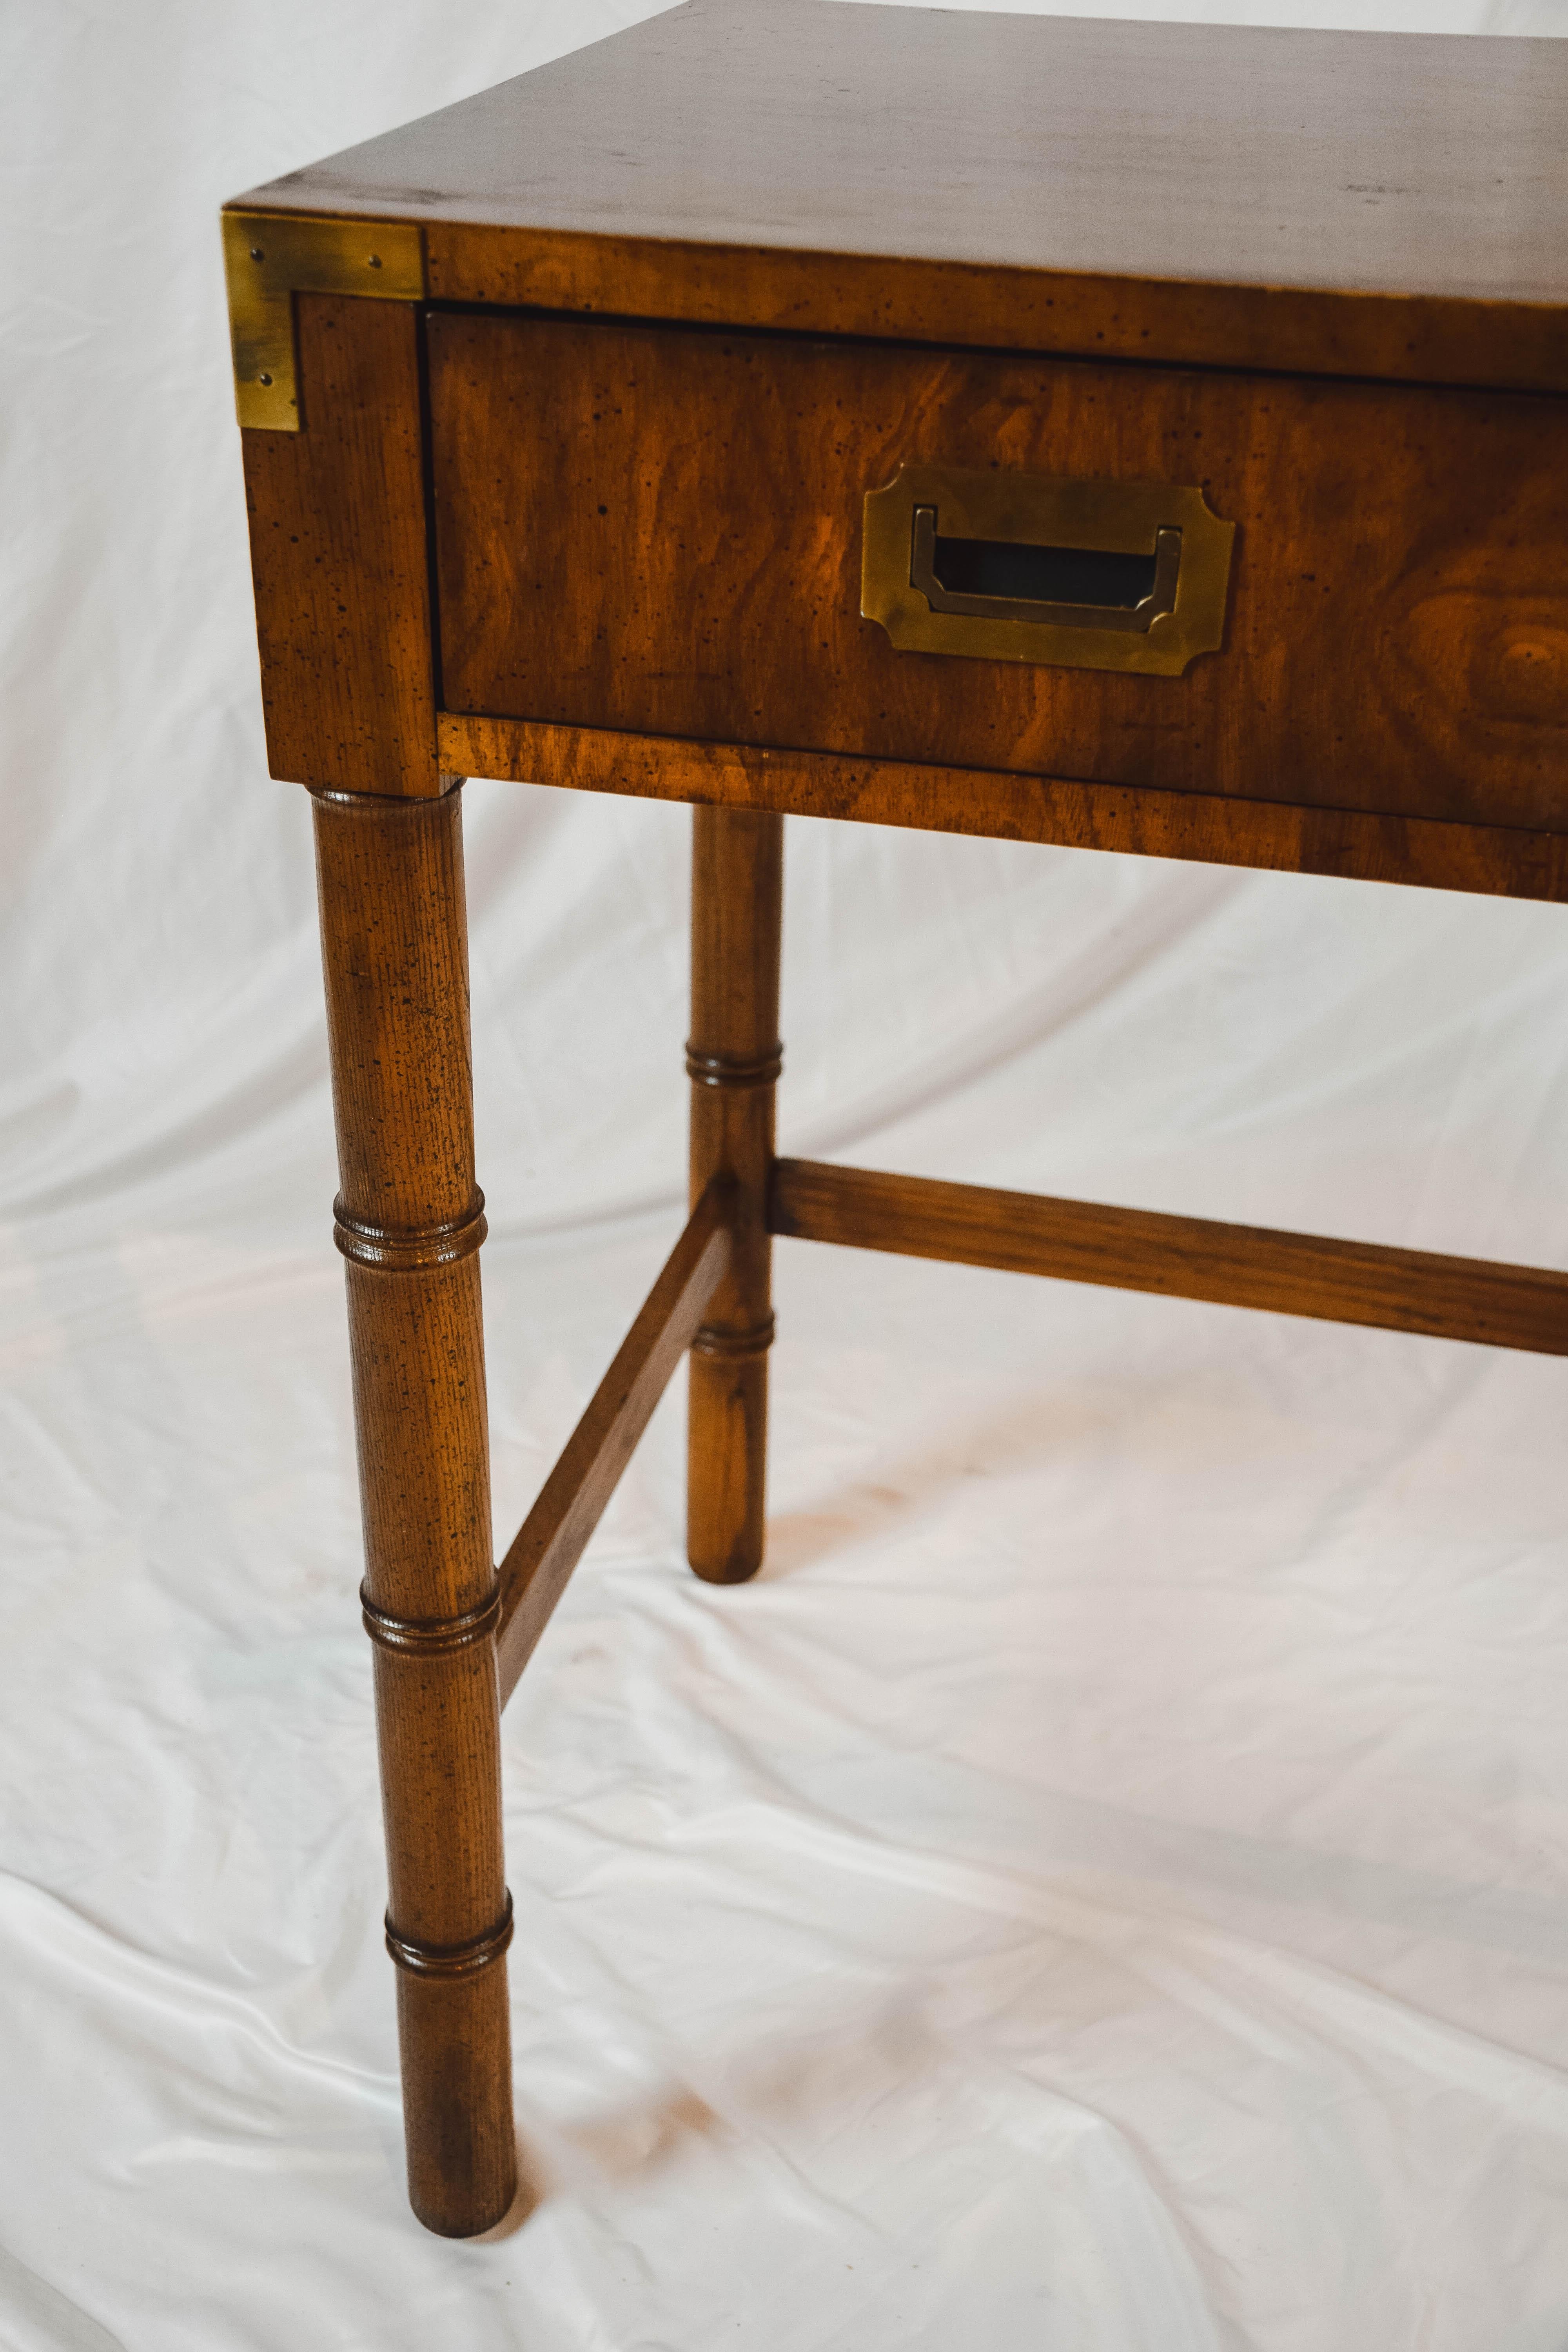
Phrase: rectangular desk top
[934,239]
[1332,202]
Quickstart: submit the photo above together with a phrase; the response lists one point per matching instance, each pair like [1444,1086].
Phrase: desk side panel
[338,552]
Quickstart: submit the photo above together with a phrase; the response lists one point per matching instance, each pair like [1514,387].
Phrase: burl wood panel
[338,550]
[1196,826]
[660,530]
[1360,203]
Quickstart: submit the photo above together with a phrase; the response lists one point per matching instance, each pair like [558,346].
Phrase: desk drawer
[660,530]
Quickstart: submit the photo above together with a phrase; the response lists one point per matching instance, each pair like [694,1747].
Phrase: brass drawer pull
[1037,568]
[1004,570]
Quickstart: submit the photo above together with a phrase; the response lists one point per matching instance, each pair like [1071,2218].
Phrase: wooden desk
[1146,437]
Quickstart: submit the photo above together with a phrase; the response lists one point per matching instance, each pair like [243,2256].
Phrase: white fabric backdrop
[1105,1888]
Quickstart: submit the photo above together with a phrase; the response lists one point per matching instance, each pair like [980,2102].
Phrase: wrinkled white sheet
[1104,1889]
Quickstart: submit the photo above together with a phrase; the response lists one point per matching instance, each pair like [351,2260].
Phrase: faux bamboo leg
[409,1223]
[734,1058]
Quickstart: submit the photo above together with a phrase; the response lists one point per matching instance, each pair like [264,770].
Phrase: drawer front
[660,530]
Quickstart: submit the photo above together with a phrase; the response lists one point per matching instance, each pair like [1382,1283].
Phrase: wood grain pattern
[1185,1257]
[732,1059]
[338,554]
[609,557]
[409,1220]
[1185,321]
[1358,203]
[1192,825]
[551,1540]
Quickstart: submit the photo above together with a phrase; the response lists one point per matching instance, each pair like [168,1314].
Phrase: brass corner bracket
[271,256]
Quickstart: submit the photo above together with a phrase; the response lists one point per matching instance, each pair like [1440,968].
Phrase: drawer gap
[1042,575]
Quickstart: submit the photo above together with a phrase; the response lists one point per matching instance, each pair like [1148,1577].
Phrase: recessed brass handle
[1086,569]
[1041,568]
